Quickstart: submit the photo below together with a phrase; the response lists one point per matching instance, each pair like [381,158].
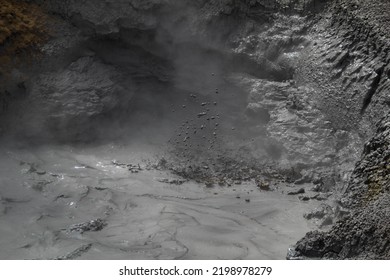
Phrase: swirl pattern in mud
[67,203]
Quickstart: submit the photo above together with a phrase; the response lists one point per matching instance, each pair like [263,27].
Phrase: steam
[172,84]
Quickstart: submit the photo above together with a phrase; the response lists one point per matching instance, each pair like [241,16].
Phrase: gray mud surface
[75,203]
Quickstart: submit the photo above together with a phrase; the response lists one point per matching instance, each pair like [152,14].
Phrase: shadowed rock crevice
[373,89]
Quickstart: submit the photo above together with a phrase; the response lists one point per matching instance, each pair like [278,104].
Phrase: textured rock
[349,55]
[67,102]
[307,147]
[351,48]
[363,233]
[371,177]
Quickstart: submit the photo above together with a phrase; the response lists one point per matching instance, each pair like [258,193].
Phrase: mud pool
[47,190]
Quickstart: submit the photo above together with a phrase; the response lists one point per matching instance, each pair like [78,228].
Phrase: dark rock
[300,191]
[172,181]
[320,212]
[93,225]
[324,184]
[76,253]
[262,185]
[362,231]
[304,198]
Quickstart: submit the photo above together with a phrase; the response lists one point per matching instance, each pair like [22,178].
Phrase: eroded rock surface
[73,98]
[356,57]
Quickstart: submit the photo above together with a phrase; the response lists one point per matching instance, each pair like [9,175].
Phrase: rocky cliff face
[362,231]
[355,62]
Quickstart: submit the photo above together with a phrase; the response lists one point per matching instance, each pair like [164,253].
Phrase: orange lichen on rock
[23,28]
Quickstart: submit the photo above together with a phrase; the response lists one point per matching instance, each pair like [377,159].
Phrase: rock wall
[349,63]
[355,61]
[362,231]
